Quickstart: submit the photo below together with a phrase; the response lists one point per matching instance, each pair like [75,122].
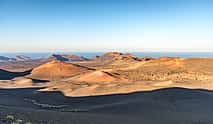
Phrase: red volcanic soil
[57,70]
[98,76]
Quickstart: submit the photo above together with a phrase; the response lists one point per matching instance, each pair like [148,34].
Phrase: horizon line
[107,51]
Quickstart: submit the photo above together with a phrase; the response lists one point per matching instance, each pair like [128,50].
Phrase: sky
[106,25]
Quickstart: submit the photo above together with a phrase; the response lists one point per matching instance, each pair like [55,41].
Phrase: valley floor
[165,106]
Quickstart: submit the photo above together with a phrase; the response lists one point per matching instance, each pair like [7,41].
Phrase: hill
[98,77]
[170,68]
[66,57]
[112,56]
[57,70]
[6,59]
[20,66]
[111,60]
[22,58]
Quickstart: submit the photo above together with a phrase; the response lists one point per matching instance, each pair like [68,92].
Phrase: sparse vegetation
[11,119]
[138,75]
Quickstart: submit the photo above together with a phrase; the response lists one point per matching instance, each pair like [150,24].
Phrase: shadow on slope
[171,105]
[6,75]
[172,96]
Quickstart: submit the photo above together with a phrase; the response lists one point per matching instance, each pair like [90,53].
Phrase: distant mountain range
[17,58]
[62,57]
[67,57]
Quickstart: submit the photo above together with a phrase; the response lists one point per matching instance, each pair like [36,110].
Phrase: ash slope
[173,105]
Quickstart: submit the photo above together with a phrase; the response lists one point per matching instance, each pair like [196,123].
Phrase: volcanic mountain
[22,58]
[66,57]
[21,66]
[112,56]
[17,58]
[57,70]
[112,59]
[6,59]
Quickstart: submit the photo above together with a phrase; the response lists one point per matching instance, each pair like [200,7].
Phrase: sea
[137,54]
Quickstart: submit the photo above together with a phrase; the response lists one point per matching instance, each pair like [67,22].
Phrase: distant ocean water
[138,54]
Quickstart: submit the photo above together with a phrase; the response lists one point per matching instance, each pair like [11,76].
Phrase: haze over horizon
[106,25]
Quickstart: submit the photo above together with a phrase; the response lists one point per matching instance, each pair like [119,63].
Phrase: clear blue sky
[106,25]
